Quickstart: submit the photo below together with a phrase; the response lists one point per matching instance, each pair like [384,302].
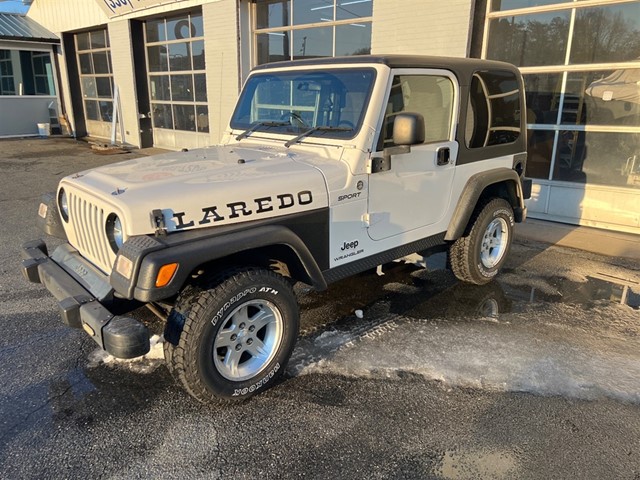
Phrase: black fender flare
[471,194]
[210,247]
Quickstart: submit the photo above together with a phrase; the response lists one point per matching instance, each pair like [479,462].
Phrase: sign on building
[114,8]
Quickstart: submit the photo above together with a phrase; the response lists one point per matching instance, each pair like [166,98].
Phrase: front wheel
[236,337]
[477,256]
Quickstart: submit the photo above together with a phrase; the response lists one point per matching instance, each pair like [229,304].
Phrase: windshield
[300,101]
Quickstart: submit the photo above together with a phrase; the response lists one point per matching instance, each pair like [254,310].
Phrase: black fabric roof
[462,67]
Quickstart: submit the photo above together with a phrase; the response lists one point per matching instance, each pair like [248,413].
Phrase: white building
[178,67]
[27,76]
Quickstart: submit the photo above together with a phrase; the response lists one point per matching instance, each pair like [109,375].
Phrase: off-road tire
[478,255]
[202,326]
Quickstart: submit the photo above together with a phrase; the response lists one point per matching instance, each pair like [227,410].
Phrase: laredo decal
[216,213]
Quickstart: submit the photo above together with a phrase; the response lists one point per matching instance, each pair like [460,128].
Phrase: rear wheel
[477,256]
[236,337]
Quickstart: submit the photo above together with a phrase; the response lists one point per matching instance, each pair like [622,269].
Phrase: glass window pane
[178,28]
[200,83]
[38,64]
[82,41]
[106,110]
[159,86]
[101,62]
[607,98]
[540,151]
[89,87]
[185,117]
[197,50]
[8,86]
[494,104]
[182,88]
[353,39]
[431,96]
[273,47]
[98,40]
[598,158]
[349,9]
[273,13]
[312,11]
[543,97]
[202,120]
[528,40]
[91,110]
[179,56]
[103,86]
[86,67]
[197,28]
[498,5]
[42,87]
[312,43]
[155,31]
[162,116]
[158,61]
[570,156]
[606,34]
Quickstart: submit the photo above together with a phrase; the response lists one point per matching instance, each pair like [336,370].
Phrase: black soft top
[463,68]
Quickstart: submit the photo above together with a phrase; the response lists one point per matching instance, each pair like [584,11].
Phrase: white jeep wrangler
[329,167]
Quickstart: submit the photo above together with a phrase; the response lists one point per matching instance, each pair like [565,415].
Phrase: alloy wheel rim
[248,340]
[494,242]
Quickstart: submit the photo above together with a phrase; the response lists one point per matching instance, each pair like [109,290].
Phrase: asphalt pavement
[409,374]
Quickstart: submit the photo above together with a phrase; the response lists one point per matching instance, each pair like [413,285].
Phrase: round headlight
[114,232]
[63,205]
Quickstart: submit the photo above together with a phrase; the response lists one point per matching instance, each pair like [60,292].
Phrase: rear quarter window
[493,113]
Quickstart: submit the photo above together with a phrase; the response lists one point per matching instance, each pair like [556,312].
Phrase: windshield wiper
[257,125]
[321,128]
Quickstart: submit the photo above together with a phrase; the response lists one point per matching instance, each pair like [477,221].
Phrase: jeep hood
[203,187]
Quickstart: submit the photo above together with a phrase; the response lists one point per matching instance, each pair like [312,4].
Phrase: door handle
[443,156]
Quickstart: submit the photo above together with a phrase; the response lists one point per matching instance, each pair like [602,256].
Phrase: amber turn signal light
[165,274]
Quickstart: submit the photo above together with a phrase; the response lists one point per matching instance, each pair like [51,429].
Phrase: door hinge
[370,219]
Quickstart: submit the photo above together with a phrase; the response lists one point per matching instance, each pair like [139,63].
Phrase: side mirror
[408,129]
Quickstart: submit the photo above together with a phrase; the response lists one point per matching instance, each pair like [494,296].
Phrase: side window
[493,113]
[429,95]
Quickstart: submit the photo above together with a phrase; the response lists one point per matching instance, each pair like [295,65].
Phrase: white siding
[424,27]
[221,56]
[64,15]
[124,78]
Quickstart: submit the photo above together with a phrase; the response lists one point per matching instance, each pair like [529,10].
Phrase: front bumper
[82,296]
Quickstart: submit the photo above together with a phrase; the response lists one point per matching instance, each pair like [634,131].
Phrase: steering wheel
[298,120]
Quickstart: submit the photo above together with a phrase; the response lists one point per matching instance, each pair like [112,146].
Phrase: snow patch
[143,364]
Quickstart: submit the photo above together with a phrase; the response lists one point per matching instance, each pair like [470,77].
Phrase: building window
[7,84]
[41,64]
[581,68]
[26,72]
[176,66]
[96,74]
[297,29]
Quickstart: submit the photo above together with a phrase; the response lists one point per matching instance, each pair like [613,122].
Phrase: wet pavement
[409,374]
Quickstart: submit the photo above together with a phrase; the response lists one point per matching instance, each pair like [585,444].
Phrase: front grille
[88,225]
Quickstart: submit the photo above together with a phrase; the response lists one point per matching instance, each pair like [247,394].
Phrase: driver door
[416,191]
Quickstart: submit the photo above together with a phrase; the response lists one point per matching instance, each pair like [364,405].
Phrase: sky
[14,6]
